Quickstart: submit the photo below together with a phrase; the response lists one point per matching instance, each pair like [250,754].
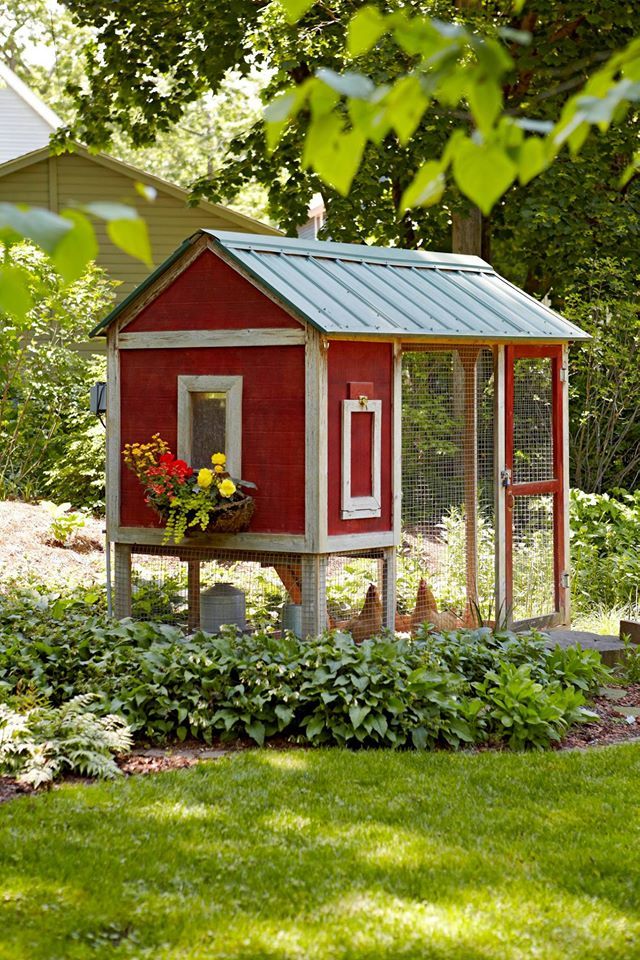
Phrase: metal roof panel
[358,290]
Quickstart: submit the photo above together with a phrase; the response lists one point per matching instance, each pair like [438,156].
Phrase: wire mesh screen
[207,588]
[532,420]
[533,555]
[448,478]
[532,515]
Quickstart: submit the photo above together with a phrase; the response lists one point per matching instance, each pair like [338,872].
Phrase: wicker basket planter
[234,516]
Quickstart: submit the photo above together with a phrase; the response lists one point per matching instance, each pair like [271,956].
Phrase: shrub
[525,712]
[43,742]
[49,442]
[394,692]
[64,521]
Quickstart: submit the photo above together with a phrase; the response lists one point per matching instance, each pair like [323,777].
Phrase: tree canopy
[502,78]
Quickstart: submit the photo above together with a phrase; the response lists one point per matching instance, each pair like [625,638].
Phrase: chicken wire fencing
[448,512]
[193,588]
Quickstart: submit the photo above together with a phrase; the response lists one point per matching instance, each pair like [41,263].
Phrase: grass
[604,619]
[330,855]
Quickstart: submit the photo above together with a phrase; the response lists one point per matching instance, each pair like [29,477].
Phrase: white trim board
[232,386]
[263,542]
[179,339]
[354,508]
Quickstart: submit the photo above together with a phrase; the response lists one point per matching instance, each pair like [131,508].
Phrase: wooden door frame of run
[558,487]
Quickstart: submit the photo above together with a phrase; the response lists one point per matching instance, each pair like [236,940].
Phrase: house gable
[210,295]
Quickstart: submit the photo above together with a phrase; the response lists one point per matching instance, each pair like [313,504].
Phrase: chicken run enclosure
[402,414]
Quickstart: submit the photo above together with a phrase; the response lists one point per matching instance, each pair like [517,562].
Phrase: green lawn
[330,854]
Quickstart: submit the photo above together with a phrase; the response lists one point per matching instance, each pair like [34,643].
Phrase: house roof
[359,290]
[26,123]
[136,174]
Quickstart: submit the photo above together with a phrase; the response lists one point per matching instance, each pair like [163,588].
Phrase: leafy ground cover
[329,855]
[450,689]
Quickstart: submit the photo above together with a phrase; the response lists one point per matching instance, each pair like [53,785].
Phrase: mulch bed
[616,724]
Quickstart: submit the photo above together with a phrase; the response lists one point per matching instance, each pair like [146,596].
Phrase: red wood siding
[357,361]
[209,295]
[273,425]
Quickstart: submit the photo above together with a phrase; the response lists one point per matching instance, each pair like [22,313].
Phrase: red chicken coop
[402,415]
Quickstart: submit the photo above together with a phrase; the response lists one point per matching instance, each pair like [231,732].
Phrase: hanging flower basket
[232,517]
[189,502]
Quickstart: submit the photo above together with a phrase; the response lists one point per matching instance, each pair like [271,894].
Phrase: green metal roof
[358,290]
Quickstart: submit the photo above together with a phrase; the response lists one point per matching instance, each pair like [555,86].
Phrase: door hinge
[564,374]
[564,579]
[505,477]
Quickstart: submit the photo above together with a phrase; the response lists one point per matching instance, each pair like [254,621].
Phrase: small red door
[534,478]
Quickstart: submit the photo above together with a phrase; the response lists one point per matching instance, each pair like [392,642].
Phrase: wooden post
[314,594]
[193,595]
[122,577]
[565,560]
[502,614]
[389,578]
[469,360]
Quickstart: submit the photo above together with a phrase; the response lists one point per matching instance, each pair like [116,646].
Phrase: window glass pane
[208,415]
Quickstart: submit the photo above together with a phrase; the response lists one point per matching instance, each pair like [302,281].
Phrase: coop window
[210,420]
[361,458]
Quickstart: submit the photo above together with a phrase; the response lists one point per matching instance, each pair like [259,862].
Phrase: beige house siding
[169,220]
[78,178]
[29,185]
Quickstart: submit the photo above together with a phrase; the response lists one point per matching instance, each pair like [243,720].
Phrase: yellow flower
[218,468]
[219,458]
[205,478]
[227,488]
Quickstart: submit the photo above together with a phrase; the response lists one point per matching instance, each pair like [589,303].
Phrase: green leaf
[295,9]
[405,105]
[46,229]
[76,248]
[333,153]
[426,188]
[357,715]
[365,29]
[15,298]
[132,237]
[106,210]
[282,109]
[256,731]
[284,714]
[146,191]
[485,101]
[532,160]
[347,84]
[419,738]
[483,172]
[314,727]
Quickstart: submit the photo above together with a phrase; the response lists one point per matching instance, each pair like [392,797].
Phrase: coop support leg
[314,594]
[389,579]
[193,595]
[122,578]
[470,460]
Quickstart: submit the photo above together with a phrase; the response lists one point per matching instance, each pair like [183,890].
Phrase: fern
[45,742]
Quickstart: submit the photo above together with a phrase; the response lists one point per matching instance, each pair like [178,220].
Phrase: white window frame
[357,508]
[232,387]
